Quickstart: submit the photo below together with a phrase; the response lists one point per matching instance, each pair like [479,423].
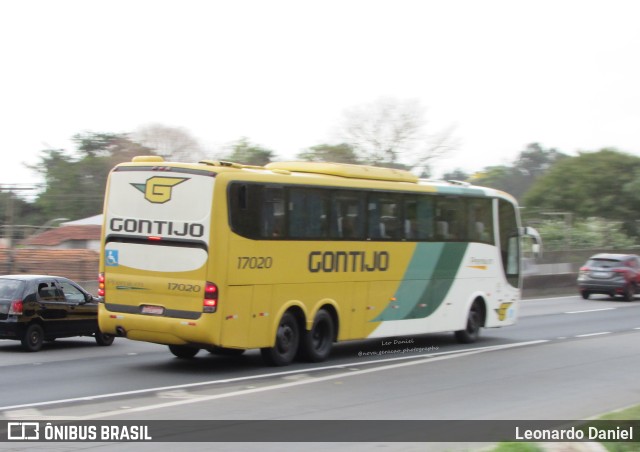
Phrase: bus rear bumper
[166,331]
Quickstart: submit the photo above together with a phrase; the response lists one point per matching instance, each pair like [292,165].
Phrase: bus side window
[307,214]
[424,218]
[272,213]
[347,215]
[384,221]
[244,200]
[450,219]
[442,230]
[481,220]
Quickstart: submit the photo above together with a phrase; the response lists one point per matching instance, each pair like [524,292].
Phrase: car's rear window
[10,289]
[604,263]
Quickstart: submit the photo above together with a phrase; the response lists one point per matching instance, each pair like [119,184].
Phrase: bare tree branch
[393,132]
[173,143]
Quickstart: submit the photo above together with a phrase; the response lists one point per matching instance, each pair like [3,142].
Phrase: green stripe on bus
[427,281]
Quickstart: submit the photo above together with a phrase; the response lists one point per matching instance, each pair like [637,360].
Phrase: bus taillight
[101,285]
[210,302]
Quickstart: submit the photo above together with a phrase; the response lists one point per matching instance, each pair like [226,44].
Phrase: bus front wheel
[184,351]
[474,321]
[287,342]
[317,343]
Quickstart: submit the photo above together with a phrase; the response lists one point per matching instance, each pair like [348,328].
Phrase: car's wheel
[184,351]
[287,342]
[317,343]
[33,337]
[585,294]
[629,292]
[223,351]
[104,339]
[474,322]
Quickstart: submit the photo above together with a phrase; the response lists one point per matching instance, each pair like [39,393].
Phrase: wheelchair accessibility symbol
[111,258]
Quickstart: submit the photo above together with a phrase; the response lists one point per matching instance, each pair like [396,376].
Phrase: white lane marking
[310,380]
[429,356]
[590,310]
[594,334]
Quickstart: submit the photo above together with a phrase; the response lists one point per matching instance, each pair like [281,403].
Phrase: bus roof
[346,170]
[341,170]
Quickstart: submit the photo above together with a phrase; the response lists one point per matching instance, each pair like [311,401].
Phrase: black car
[37,308]
[611,274]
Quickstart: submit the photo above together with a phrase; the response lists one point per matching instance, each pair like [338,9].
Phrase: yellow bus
[292,257]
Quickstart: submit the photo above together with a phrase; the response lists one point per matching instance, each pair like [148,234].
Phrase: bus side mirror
[536,246]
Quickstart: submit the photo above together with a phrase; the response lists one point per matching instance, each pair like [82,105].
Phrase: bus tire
[223,351]
[104,339]
[287,342]
[317,343]
[474,322]
[184,351]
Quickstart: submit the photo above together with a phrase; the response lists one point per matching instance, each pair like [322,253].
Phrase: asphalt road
[567,358]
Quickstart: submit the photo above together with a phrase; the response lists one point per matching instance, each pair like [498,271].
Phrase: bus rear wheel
[317,343]
[184,351]
[474,321]
[287,342]
[103,339]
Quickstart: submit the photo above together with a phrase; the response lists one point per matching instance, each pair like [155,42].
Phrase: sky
[503,73]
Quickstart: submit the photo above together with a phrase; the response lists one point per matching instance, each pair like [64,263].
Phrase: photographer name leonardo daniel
[592,433]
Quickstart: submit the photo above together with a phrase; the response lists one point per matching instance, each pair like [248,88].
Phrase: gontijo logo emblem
[503,310]
[158,189]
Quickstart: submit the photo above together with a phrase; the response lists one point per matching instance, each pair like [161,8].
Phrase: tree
[456,174]
[16,211]
[173,143]
[114,147]
[75,182]
[590,233]
[243,151]
[533,162]
[593,184]
[391,132]
[338,153]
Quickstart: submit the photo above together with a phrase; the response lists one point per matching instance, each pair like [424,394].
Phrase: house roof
[62,234]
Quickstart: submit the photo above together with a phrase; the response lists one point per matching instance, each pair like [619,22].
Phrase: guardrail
[549,284]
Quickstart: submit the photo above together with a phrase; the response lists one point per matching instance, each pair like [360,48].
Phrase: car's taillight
[624,272]
[210,302]
[101,285]
[16,307]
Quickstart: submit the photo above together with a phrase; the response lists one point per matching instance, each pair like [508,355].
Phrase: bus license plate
[156,310]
